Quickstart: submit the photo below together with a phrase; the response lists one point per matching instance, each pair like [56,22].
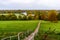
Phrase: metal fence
[10,37]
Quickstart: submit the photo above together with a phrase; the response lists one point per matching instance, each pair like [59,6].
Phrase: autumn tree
[43,16]
[58,16]
[52,15]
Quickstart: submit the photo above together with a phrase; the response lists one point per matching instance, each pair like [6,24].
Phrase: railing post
[18,36]
[10,37]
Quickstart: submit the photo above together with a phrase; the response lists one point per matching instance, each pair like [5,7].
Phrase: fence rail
[10,37]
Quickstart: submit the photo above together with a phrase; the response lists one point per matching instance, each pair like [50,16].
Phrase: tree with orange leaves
[52,15]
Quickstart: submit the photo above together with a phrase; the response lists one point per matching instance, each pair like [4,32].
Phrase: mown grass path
[31,36]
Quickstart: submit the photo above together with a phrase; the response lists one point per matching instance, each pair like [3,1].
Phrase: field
[49,31]
[8,28]
[45,25]
[17,26]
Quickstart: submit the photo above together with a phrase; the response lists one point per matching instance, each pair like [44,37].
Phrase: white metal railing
[10,37]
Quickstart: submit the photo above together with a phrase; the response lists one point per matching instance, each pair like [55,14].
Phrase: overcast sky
[30,4]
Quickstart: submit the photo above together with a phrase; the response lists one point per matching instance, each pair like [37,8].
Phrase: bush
[30,17]
[24,17]
[20,17]
[11,17]
[2,17]
[58,16]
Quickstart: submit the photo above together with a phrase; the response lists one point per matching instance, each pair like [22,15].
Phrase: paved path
[31,36]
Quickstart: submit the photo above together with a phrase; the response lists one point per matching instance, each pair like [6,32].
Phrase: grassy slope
[45,25]
[17,26]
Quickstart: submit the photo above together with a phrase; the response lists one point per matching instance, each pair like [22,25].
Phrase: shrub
[30,17]
[24,17]
[2,17]
[11,17]
[20,17]
[58,16]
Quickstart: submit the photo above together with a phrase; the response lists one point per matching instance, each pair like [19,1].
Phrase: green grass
[17,26]
[45,25]
[51,34]
[11,28]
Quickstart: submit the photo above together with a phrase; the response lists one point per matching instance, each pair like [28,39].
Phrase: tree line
[51,15]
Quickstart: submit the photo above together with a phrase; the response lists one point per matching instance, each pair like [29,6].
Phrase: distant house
[25,13]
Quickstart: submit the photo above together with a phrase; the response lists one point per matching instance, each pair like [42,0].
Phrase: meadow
[45,25]
[11,28]
[49,31]
[17,26]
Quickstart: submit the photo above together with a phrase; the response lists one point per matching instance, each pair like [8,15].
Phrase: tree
[30,17]
[2,17]
[12,17]
[52,15]
[20,17]
[43,16]
[37,14]
[36,17]
[24,17]
[58,16]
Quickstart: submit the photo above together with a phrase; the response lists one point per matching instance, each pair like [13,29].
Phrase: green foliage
[2,17]
[11,28]
[30,17]
[20,17]
[12,17]
[8,17]
[24,17]
[58,16]
[39,17]
[43,16]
